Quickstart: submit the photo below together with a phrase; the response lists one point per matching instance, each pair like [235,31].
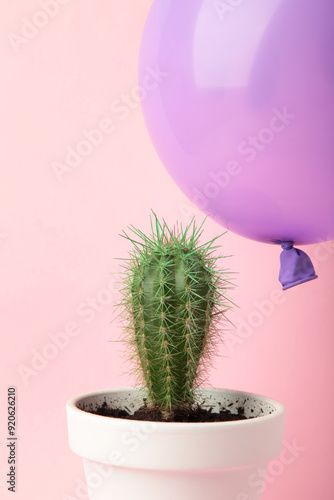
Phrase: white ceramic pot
[127,459]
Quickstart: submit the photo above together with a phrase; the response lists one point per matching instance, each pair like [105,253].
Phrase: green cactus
[173,297]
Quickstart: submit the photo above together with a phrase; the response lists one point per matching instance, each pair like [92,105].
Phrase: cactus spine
[173,296]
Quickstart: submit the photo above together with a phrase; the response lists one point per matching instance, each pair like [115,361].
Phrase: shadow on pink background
[73,78]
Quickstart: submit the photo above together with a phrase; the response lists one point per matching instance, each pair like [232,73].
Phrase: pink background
[59,237]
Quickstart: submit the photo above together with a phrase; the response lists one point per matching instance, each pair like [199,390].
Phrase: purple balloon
[240,109]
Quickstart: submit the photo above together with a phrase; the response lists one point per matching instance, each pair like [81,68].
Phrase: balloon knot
[287,245]
[296,266]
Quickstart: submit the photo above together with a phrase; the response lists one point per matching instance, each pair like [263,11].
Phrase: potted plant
[170,437]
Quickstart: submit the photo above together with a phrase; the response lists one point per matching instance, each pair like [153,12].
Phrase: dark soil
[182,414]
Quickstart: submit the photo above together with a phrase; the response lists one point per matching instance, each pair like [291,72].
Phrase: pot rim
[278,408]
[176,445]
